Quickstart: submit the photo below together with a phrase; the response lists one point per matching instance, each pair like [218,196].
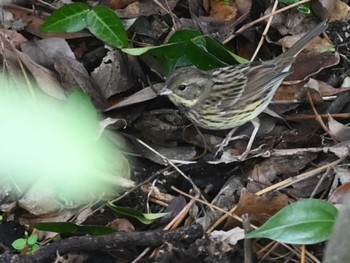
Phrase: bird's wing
[263,80]
[226,86]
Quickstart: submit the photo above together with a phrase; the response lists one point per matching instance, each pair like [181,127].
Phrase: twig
[263,36]
[318,118]
[108,242]
[245,27]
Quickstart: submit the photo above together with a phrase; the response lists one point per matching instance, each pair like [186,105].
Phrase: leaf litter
[301,154]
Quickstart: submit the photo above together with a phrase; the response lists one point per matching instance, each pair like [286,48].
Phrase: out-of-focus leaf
[107,26]
[68,18]
[305,222]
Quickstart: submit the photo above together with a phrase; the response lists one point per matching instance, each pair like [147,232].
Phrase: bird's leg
[226,141]
[256,123]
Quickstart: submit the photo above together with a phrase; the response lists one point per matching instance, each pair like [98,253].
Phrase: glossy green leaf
[35,248]
[68,18]
[19,243]
[32,239]
[305,9]
[67,227]
[202,58]
[184,35]
[172,50]
[107,26]
[143,218]
[221,52]
[304,222]
[189,46]
[288,2]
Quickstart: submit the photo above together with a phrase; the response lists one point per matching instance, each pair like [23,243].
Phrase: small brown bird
[228,97]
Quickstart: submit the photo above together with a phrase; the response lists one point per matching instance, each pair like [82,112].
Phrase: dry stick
[311,256]
[303,250]
[177,220]
[181,214]
[107,242]
[172,225]
[166,160]
[287,182]
[204,143]
[281,185]
[131,190]
[263,36]
[158,202]
[323,177]
[274,244]
[240,220]
[214,207]
[15,52]
[318,118]
[270,247]
[245,27]
[301,177]
[312,117]
[247,242]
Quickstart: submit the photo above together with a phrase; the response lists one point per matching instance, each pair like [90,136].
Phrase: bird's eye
[182,87]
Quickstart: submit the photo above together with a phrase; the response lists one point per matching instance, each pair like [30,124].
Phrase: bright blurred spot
[57,141]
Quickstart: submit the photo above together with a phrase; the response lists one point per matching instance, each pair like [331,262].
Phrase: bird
[230,96]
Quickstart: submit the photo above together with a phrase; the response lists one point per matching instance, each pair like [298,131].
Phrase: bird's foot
[226,141]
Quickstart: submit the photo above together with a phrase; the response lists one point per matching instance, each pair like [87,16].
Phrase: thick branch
[99,243]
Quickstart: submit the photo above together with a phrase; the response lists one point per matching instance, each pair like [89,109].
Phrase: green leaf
[304,222]
[169,50]
[107,26]
[200,57]
[221,52]
[184,35]
[67,227]
[35,248]
[19,243]
[68,18]
[143,218]
[32,239]
[305,9]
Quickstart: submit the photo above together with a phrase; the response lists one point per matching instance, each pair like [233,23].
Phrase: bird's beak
[165,91]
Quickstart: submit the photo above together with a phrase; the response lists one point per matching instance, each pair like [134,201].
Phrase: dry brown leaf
[338,130]
[226,11]
[290,92]
[73,75]
[47,80]
[113,75]
[140,96]
[147,8]
[338,195]
[121,224]
[341,11]
[45,51]
[312,63]
[258,208]
[117,4]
